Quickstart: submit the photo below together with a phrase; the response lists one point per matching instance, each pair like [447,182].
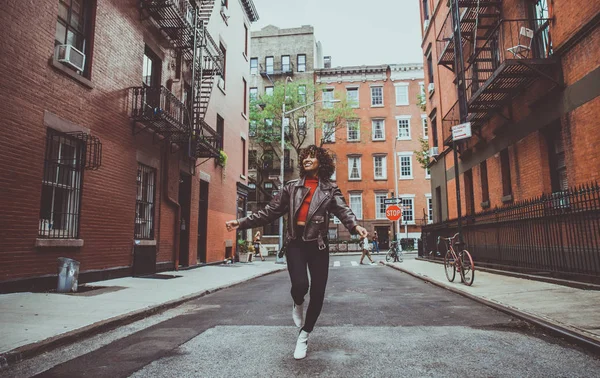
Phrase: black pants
[300,255]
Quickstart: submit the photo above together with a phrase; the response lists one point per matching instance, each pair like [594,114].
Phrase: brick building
[388,122]
[278,54]
[532,86]
[111,131]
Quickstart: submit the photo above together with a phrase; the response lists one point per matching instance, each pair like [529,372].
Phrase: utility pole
[459,68]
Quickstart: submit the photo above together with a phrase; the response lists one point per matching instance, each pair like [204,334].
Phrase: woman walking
[375,242]
[256,244]
[308,201]
[366,250]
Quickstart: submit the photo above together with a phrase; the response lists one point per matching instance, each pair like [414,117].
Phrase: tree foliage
[422,154]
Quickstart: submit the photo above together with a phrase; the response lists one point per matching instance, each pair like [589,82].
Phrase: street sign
[393,213]
[391,201]
[462,131]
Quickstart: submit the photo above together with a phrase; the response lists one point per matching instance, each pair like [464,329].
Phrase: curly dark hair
[326,164]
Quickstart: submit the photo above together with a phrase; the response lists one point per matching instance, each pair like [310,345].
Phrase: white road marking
[336,263]
[354,263]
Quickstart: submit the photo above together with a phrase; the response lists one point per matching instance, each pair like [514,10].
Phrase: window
[285,64]
[434,129]
[301,125]
[430,68]
[353,129]
[354,172]
[302,93]
[379,167]
[402,94]
[332,234]
[469,195]
[505,167]
[268,126]
[376,96]
[269,64]
[425,126]
[556,153]
[252,129]
[327,98]
[405,165]
[334,176]
[485,194]
[225,3]
[352,97]
[380,205]
[408,208]
[269,91]
[151,69]
[429,208]
[73,27]
[336,220]
[224,74]
[286,125]
[403,127]
[301,63]
[254,66]
[144,205]
[425,9]
[245,109]
[61,186]
[221,131]
[427,173]
[378,129]
[253,94]
[356,204]
[243,157]
[328,133]
[252,156]
[251,192]
[245,40]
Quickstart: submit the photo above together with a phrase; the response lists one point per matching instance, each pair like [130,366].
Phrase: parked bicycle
[463,262]
[394,253]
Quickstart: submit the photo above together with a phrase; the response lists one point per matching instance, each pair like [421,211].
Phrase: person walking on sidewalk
[366,248]
[256,243]
[375,242]
[308,201]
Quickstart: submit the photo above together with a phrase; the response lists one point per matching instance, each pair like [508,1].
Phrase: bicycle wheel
[449,266]
[389,256]
[467,268]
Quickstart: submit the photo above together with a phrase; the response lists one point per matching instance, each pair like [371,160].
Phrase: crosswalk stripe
[336,263]
[354,263]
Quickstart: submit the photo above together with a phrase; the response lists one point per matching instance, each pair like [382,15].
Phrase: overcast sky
[353,32]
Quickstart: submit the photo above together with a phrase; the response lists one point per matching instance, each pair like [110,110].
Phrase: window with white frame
[408,209]
[301,63]
[402,94]
[427,173]
[380,205]
[356,204]
[269,63]
[378,129]
[425,122]
[429,208]
[354,172]
[380,167]
[253,94]
[336,220]
[406,170]
[269,91]
[328,132]
[353,129]
[253,66]
[403,127]
[327,98]
[376,96]
[302,93]
[352,97]
[286,125]
[332,234]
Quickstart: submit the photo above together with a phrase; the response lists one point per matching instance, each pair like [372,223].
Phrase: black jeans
[300,255]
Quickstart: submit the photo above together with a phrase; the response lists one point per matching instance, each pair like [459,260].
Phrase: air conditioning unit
[225,12]
[425,24]
[431,88]
[70,56]
[433,151]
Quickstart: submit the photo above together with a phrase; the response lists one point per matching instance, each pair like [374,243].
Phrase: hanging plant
[222,160]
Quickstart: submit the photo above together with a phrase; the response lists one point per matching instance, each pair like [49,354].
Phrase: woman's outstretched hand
[232,225]
[361,231]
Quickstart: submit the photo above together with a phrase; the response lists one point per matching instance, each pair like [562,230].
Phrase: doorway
[202,221]
[383,232]
[185,197]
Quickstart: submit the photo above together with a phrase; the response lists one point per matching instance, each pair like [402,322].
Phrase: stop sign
[393,212]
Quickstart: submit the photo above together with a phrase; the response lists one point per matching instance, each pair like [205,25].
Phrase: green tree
[423,153]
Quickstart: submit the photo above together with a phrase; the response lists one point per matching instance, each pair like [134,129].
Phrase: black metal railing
[176,19]
[556,234]
[159,109]
[205,141]
[277,69]
[144,204]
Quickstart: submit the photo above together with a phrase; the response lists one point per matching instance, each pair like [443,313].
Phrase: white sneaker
[301,345]
[298,315]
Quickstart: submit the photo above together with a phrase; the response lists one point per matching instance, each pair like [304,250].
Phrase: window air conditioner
[430,88]
[224,12]
[433,151]
[425,24]
[69,55]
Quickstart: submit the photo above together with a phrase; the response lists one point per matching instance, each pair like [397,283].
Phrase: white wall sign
[462,131]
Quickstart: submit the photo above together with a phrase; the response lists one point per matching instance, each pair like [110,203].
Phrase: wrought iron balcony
[159,110]
[176,19]
[277,69]
[516,53]
[205,142]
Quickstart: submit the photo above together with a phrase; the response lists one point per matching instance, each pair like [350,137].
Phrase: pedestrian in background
[256,243]
[308,201]
[366,250]
[375,242]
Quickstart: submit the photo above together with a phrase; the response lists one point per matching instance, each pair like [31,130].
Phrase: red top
[311,183]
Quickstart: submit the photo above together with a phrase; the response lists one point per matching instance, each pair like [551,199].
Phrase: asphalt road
[376,322]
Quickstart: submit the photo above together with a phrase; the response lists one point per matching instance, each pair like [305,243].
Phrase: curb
[31,350]
[578,338]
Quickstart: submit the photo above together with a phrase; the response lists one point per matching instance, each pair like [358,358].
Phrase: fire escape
[502,57]
[184,24]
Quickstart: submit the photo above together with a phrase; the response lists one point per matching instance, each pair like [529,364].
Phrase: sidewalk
[33,322]
[571,312]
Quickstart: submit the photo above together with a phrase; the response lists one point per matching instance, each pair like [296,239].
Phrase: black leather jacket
[326,199]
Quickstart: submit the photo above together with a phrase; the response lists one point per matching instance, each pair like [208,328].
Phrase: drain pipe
[173,203]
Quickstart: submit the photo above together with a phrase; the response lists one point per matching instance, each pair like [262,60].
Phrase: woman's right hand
[232,225]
